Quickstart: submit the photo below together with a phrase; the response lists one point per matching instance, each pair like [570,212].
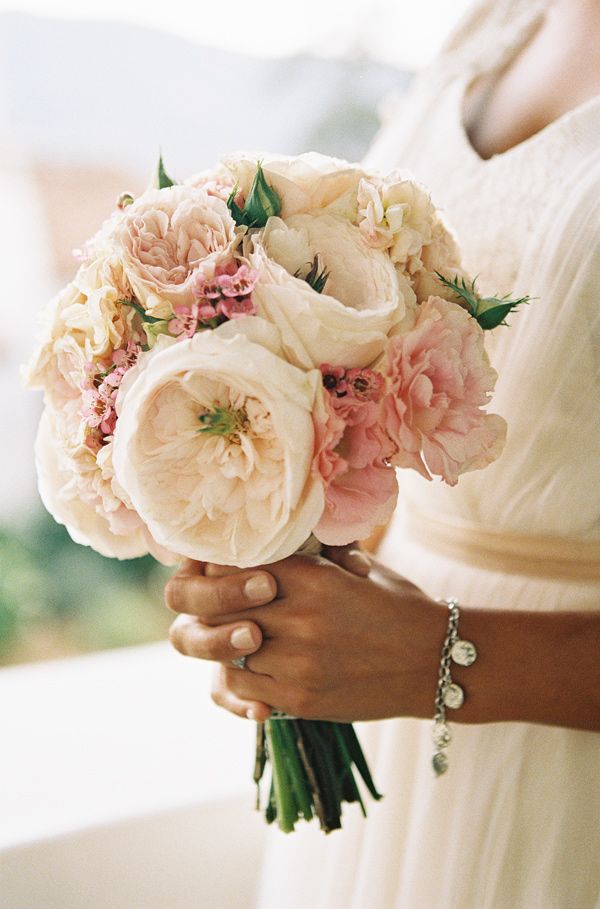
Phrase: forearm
[535,667]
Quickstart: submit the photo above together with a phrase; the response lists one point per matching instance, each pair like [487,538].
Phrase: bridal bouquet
[239,365]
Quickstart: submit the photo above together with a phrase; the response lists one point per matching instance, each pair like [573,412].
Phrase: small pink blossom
[100,393]
[98,410]
[239,284]
[236,307]
[186,321]
[439,381]
[206,288]
[126,357]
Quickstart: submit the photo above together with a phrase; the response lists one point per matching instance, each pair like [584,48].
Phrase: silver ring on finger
[239,662]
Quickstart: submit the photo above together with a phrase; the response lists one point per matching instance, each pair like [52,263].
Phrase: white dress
[515,823]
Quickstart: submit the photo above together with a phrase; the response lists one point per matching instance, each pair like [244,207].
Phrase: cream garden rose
[361,302]
[85,322]
[214,445]
[79,492]
[162,239]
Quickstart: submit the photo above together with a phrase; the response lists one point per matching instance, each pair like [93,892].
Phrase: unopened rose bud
[124,200]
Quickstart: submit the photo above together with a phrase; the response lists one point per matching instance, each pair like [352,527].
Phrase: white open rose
[349,321]
[214,445]
[78,494]
[164,236]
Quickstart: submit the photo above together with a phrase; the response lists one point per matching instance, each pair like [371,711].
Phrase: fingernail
[251,713]
[241,639]
[258,587]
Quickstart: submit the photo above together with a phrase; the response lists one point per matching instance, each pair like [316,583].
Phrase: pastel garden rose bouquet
[239,365]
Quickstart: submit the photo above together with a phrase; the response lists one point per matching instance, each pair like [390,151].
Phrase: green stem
[287,810]
[348,762]
[329,787]
[356,753]
[296,773]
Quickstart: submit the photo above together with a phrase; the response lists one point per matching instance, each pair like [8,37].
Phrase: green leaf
[237,213]
[488,311]
[316,279]
[163,180]
[468,295]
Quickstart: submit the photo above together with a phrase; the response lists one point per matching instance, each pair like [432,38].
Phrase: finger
[250,686]
[222,644]
[242,707]
[191,566]
[350,557]
[211,598]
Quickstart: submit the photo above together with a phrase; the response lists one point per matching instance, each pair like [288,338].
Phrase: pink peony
[439,381]
[351,459]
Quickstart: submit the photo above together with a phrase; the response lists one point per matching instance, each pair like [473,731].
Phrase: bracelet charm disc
[464,653]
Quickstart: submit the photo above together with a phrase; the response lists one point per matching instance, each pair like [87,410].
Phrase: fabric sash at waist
[541,556]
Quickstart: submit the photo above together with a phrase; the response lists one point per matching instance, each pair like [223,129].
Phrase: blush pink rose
[440,379]
[164,237]
[351,458]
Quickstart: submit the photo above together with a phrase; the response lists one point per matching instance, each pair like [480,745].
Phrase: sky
[404,33]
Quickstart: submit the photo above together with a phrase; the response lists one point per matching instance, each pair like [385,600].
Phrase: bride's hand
[325,642]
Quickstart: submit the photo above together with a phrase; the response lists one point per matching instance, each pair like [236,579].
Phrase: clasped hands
[337,637]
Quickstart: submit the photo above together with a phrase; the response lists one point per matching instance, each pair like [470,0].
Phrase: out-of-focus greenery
[58,598]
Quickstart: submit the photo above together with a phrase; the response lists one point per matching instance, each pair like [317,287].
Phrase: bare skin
[353,640]
[558,70]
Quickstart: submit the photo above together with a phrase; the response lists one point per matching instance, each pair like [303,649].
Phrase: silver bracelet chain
[448,693]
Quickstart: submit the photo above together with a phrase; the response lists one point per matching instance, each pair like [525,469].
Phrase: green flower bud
[262,202]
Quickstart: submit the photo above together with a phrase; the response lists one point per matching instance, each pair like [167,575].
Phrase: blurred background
[89,92]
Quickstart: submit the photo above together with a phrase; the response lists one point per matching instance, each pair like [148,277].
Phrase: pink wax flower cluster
[224,295]
[100,393]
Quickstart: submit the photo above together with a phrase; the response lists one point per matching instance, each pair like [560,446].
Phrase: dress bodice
[523,231]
